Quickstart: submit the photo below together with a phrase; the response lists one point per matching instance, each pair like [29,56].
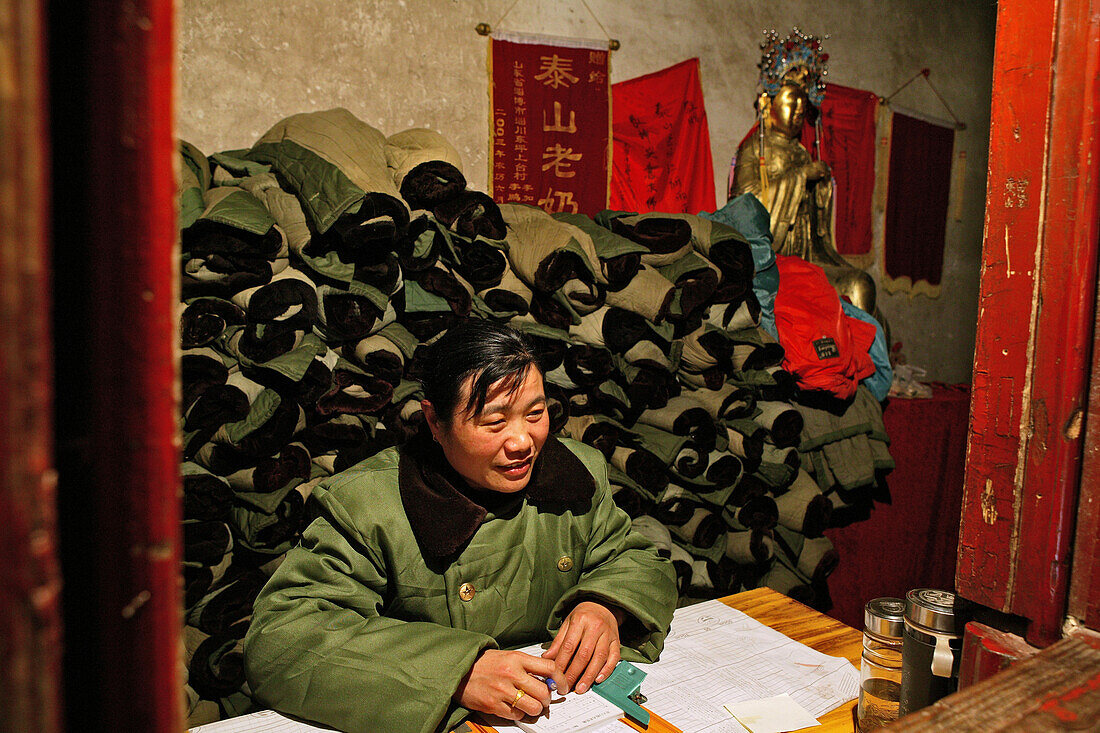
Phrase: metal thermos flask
[931,647]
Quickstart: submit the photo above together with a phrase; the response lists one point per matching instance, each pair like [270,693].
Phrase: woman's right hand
[496,679]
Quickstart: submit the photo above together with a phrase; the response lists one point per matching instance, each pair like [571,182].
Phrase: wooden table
[815,630]
[799,622]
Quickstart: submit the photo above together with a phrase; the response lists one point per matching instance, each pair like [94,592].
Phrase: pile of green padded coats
[318,262]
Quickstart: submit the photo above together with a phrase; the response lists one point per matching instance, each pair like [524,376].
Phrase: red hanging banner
[848,124]
[551,123]
[662,143]
[916,206]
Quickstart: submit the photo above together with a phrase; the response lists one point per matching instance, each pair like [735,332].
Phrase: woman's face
[496,448]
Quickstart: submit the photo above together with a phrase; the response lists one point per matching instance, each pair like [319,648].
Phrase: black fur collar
[444,511]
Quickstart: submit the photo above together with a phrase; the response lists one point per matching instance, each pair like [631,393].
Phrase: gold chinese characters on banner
[551,110]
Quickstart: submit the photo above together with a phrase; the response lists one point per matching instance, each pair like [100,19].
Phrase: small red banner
[848,129]
[550,125]
[917,199]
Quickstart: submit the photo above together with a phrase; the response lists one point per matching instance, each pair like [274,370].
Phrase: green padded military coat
[402,580]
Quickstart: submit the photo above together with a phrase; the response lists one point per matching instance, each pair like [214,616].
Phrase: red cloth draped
[911,542]
[661,159]
[848,146]
[917,198]
[825,349]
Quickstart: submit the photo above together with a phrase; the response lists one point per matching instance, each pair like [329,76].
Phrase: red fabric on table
[661,159]
[911,542]
[917,198]
[824,348]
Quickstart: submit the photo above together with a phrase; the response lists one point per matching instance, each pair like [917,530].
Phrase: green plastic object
[622,688]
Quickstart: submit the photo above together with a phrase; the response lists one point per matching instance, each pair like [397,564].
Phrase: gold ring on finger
[519,696]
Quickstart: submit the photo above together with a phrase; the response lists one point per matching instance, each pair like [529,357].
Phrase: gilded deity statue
[773,164]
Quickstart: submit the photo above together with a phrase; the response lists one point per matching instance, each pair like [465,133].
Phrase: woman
[426,563]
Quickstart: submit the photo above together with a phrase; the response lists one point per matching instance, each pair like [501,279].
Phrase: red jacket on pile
[825,349]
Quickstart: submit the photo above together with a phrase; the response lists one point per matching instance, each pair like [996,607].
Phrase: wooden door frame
[115,265]
[1036,314]
[1084,587]
[30,576]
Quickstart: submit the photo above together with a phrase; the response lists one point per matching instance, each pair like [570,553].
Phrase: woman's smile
[496,448]
[517,470]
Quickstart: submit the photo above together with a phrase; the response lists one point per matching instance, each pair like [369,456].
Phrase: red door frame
[116,359]
[1084,589]
[134,367]
[1036,313]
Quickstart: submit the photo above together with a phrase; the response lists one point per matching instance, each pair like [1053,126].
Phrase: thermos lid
[885,617]
[931,608]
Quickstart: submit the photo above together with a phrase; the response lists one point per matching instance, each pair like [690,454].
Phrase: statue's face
[788,110]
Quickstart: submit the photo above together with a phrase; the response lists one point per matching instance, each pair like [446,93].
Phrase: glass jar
[880,666]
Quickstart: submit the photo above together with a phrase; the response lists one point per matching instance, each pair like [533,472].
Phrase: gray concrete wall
[244,64]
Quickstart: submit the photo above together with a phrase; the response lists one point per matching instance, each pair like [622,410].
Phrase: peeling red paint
[1035,327]
[1055,705]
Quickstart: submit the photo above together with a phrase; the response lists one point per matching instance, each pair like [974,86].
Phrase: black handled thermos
[931,647]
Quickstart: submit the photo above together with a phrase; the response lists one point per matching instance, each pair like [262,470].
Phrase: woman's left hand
[586,648]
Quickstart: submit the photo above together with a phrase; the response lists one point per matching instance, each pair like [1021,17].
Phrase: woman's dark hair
[487,350]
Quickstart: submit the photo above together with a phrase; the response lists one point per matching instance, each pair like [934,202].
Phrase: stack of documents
[715,658]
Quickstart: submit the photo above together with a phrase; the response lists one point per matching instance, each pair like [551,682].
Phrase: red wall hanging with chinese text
[551,122]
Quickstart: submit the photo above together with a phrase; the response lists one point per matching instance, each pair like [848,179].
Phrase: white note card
[779,714]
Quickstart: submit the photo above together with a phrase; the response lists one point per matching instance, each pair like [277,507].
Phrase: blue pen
[550,685]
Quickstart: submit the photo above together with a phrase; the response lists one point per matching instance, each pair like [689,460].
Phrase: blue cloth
[747,215]
[879,382]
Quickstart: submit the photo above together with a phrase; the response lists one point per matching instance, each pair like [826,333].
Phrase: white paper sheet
[265,721]
[715,655]
[612,726]
[779,714]
[570,713]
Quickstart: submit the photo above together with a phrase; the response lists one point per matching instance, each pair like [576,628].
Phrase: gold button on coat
[565,563]
[466,591]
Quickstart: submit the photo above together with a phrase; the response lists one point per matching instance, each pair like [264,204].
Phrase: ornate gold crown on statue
[796,59]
